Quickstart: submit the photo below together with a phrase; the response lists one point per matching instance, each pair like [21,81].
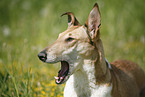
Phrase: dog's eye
[69,39]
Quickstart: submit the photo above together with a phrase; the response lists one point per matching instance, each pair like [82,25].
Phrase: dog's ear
[71,19]
[93,23]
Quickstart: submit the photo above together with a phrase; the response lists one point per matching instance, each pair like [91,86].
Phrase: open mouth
[63,74]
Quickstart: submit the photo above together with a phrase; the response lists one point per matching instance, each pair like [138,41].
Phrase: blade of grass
[28,79]
[13,79]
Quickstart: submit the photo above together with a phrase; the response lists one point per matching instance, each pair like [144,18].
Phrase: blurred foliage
[28,26]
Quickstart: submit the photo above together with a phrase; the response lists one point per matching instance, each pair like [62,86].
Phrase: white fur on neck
[83,84]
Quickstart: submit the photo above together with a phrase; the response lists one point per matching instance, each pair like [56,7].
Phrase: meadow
[28,26]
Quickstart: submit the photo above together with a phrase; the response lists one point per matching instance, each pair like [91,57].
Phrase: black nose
[42,56]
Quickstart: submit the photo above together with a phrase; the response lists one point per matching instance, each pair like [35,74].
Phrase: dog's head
[74,45]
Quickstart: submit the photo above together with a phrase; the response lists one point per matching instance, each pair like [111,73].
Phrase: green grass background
[28,26]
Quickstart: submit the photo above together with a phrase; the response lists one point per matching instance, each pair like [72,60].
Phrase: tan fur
[86,56]
[130,79]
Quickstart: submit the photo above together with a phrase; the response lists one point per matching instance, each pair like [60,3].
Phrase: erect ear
[71,19]
[93,22]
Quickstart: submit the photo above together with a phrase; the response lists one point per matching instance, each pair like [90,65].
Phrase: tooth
[56,77]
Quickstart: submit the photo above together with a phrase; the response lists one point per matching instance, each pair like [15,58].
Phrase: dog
[84,66]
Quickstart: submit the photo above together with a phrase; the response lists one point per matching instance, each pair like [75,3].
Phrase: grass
[26,27]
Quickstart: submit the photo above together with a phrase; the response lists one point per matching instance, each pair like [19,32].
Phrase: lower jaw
[63,80]
[59,82]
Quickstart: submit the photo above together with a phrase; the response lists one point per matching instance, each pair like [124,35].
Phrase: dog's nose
[42,56]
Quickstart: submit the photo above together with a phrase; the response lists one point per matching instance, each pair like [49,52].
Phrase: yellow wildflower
[43,92]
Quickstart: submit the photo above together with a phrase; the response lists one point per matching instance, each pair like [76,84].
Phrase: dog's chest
[83,88]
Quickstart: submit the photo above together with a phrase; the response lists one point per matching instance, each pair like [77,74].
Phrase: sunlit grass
[22,82]
[26,27]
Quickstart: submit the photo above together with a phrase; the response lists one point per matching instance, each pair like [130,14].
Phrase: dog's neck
[94,72]
[95,67]
[92,78]
[89,81]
